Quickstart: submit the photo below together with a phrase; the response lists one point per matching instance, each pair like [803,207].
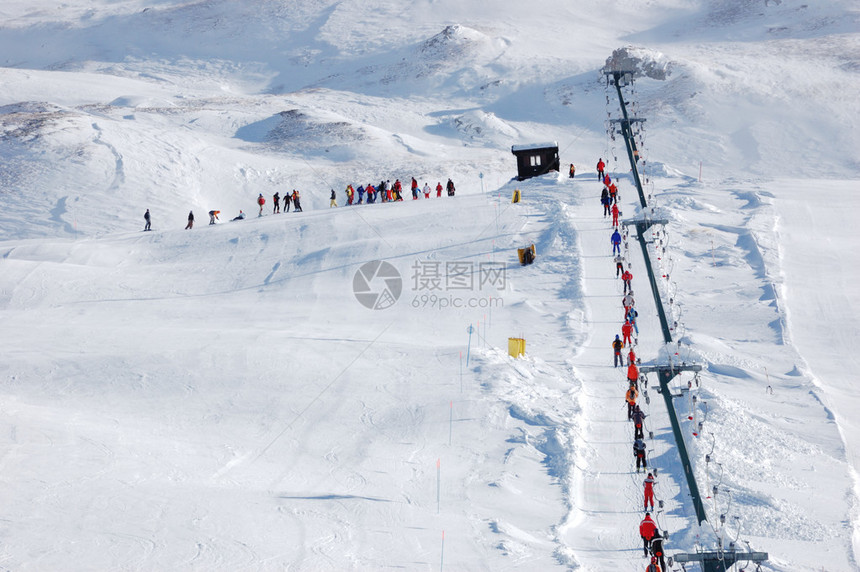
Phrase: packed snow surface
[331,389]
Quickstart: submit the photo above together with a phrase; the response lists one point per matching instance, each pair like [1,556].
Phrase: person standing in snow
[297,206]
[147,219]
[653,567]
[613,193]
[631,316]
[638,423]
[649,492]
[276,199]
[261,201]
[639,452]
[619,265]
[287,199]
[414,189]
[426,190]
[615,213]
[333,202]
[604,200]
[572,171]
[616,242]
[657,549]
[631,357]
[190,220]
[627,301]
[438,189]
[617,345]
[450,187]
[600,166]
[627,333]
[630,397]
[371,193]
[626,277]
[213,216]
[360,191]
[398,190]
[349,194]
[633,375]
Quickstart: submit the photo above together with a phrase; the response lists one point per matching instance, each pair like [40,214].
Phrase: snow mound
[642,61]
[141,102]
[454,58]
[478,125]
[299,132]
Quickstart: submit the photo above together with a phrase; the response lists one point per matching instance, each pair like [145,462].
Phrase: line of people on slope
[295,198]
[386,192]
[652,540]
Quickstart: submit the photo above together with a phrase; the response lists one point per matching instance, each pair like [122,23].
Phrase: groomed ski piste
[222,399]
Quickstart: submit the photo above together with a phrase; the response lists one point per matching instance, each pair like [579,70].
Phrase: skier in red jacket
[647,528]
[600,166]
[626,331]
[649,491]
[261,201]
[626,277]
[615,212]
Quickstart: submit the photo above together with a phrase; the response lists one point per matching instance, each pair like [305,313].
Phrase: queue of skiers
[288,199]
[386,192]
[652,540]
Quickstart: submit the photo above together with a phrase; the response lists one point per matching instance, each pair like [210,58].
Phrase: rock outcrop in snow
[644,62]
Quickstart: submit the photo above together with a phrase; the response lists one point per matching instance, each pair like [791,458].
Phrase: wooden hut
[536,159]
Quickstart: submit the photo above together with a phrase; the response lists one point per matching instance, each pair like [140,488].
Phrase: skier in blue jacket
[616,242]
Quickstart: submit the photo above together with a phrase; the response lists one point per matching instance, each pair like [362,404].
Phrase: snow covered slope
[220,399]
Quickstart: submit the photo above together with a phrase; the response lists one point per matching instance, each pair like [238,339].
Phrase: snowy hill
[220,398]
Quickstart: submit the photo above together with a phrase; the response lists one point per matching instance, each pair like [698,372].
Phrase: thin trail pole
[461,372]
[451,422]
[469,348]
[438,485]
[442,553]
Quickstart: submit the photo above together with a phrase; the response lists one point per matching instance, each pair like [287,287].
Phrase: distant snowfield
[219,398]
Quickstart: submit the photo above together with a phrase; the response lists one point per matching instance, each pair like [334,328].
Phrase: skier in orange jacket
[633,375]
[630,398]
